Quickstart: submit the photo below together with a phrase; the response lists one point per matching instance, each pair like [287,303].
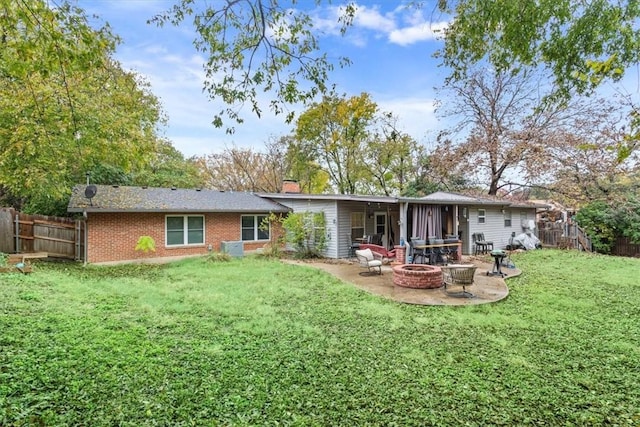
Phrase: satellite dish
[90,192]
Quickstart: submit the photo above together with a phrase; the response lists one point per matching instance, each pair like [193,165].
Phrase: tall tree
[167,167]
[336,132]
[581,44]
[499,116]
[580,163]
[391,157]
[65,105]
[304,167]
[246,169]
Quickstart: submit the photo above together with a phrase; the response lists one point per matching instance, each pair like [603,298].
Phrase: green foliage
[257,46]
[598,221]
[604,222]
[274,248]
[66,107]
[46,204]
[107,174]
[3,259]
[146,244]
[307,232]
[581,43]
[335,132]
[167,167]
[626,214]
[259,342]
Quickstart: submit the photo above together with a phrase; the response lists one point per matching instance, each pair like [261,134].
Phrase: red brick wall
[113,236]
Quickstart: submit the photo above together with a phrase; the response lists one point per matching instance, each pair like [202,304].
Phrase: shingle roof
[140,199]
[462,199]
[442,197]
[342,197]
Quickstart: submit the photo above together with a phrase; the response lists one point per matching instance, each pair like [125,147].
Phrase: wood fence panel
[25,233]
[55,238]
[624,247]
[550,233]
[7,240]
[563,235]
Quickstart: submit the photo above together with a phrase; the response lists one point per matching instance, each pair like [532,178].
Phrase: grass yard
[258,342]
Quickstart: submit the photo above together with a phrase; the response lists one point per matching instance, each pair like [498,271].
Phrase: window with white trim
[184,230]
[482,216]
[252,230]
[507,218]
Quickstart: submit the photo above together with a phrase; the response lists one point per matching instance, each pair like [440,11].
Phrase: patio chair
[353,246]
[458,275]
[488,244]
[376,239]
[369,260]
[480,244]
[418,252]
[387,255]
[438,254]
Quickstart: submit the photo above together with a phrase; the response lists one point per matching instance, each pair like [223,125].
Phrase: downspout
[86,237]
[17,231]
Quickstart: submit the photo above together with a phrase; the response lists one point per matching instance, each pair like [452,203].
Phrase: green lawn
[258,342]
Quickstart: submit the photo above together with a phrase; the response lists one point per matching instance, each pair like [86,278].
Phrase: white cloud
[417,33]
[402,26]
[371,18]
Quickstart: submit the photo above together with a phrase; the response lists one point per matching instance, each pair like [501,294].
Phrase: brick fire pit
[417,276]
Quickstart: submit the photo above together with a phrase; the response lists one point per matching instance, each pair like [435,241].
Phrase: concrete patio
[486,288]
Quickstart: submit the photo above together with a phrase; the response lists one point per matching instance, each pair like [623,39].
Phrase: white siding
[330,213]
[494,229]
[344,225]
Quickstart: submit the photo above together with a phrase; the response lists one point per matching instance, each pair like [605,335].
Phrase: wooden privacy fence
[57,237]
[624,247]
[563,235]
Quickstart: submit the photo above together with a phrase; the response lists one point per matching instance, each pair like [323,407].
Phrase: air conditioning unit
[235,249]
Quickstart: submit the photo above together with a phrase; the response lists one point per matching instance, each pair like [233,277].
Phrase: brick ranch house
[191,222]
[182,222]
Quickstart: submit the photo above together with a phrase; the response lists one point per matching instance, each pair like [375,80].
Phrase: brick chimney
[290,186]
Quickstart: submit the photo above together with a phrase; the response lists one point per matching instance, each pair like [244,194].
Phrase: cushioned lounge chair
[370,260]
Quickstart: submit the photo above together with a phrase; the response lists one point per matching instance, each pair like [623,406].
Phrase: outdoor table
[498,256]
[458,245]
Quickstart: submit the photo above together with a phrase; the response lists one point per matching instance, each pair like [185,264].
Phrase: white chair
[370,260]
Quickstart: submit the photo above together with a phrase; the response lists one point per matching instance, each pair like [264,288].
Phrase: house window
[357,225]
[507,218]
[482,216]
[252,230]
[185,230]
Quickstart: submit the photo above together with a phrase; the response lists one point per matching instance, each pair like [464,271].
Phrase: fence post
[17,232]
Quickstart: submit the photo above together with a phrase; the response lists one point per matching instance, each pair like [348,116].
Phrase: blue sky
[391,48]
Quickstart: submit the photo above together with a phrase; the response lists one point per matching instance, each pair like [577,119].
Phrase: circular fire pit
[417,276]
